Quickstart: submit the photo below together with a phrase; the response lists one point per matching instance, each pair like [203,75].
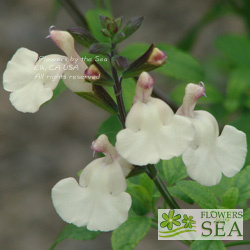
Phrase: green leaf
[71,231]
[246,214]
[128,235]
[178,193]
[236,48]
[180,65]
[220,189]
[82,36]
[141,199]
[207,245]
[174,170]
[242,183]
[230,198]
[147,183]
[110,127]
[239,83]
[202,195]
[100,48]
[130,28]
[212,93]
[92,18]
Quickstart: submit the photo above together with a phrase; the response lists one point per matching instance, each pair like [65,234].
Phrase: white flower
[152,131]
[99,200]
[31,80]
[210,155]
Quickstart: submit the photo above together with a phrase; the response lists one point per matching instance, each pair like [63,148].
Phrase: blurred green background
[211,44]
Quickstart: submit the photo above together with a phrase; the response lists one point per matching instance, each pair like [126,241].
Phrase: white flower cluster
[153,133]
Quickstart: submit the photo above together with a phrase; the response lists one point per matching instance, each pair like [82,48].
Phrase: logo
[200,224]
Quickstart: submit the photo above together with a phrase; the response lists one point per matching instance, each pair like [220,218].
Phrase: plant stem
[118,88]
[74,12]
[235,243]
[151,169]
[154,175]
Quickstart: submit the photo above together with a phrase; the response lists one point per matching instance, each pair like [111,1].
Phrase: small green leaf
[131,27]
[71,231]
[174,170]
[242,183]
[100,48]
[220,189]
[230,198]
[141,199]
[92,18]
[236,48]
[207,245]
[110,127]
[202,195]
[147,183]
[82,36]
[128,235]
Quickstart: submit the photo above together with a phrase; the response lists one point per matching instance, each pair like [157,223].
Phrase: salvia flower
[152,130]
[31,79]
[99,201]
[209,155]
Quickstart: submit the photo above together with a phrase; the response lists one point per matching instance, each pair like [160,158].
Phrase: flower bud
[92,73]
[144,87]
[112,26]
[193,93]
[157,57]
[106,33]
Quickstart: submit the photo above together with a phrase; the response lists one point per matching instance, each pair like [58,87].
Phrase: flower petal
[231,150]
[51,67]
[30,97]
[210,155]
[20,69]
[152,133]
[98,202]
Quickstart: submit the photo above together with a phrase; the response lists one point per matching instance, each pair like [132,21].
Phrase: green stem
[236,243]
[117,88]
[154,175]
[74,12]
